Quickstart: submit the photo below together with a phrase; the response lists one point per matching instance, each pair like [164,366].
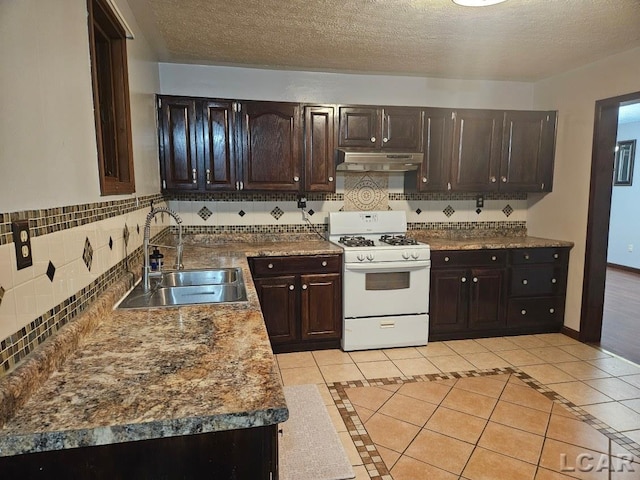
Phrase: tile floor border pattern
[371,458]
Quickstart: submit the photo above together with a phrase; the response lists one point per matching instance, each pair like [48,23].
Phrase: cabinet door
[321,306]
[359,127]
[476,150]
[448,301]
[527,151]
[218,130]
[402,129]
[178,137]
[278,302]
[271,146]
[319,134]
[437,141]
[486,298]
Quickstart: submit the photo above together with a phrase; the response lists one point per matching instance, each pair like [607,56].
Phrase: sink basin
[189,287]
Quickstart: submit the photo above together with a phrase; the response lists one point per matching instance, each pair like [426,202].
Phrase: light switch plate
[22,241]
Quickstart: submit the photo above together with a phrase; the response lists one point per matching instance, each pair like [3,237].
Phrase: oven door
[390,288]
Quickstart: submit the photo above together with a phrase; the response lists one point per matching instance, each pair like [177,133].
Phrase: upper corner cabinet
[271,146]
[319,148]
[388,128]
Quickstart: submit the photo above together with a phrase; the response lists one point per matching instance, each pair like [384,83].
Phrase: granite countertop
[488,242]
[152,373]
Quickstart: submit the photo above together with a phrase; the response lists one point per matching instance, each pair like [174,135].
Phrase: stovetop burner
[397,240]
[353,241]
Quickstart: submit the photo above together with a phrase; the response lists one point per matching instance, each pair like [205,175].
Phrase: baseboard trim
[570,332]
[616,266]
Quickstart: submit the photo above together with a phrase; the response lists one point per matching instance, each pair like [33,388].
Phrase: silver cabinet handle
[208,177]
[424,179]
[475,279]
[270,265]
[504,179]
[296,178]
[331,179]
[553,280]
[304,287]
[552,310]
[555,255]
[525,281]
[492,179]
[446,259]
[523,312]
[291,287]
[493,258]
[324,263]
[463,279]
[373,139]
[195,175]
[385,140]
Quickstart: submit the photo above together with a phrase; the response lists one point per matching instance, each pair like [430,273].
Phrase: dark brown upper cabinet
[179,135]
[319,149]
[528,145]
[477,142]
[220,170]
[389,128]
[270,142]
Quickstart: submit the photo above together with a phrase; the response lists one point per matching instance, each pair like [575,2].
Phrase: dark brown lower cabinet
[245,454]
[481,293]
[301,300]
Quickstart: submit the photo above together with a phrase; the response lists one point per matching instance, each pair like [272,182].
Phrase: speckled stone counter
[152,373]
[481,243]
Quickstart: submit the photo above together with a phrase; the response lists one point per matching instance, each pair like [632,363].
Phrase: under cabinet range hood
[377,161]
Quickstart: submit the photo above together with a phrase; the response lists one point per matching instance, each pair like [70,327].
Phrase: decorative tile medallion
[368,191]
[448,211]
[51,271]
[204,213]
[276,213]
[87,254]
[507,210]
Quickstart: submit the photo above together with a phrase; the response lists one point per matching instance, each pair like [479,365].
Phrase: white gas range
[385,282]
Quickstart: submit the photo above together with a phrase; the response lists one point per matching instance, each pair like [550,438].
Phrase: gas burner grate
[352,241]
[397,240]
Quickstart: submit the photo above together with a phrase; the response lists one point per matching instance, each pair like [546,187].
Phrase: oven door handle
[387,266]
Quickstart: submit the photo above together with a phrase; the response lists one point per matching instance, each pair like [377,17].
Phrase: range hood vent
[376,161]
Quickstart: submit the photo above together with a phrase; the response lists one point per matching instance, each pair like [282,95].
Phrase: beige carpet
[309,448]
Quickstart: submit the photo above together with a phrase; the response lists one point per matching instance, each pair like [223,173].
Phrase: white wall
[47,135]
[318,87]
[562,214]
[624,226]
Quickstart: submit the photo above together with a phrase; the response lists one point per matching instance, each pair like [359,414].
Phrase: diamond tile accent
[478,211]
[204,213]
[87,255]
[51,271]
[138,229]
[311,212]
[110,243]
[507,210]
[125,235]
[449,211]
[418,211]
[277,213]
[242,213]
[1,294]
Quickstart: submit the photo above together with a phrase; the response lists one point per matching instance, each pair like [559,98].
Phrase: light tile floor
[498,426]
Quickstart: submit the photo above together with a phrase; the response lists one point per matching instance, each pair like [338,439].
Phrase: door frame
[605,133]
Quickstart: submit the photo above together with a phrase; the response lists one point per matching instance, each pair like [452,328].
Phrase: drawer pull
[270,265]
[463,279]
[331,179]
[194,175]
[493,258]
[373,139]
[523,312]
[304,287]
[553,280]
[475,279]
[291,287]
[424,179]
[552,310]
[446,259]
[387,324]
[526,256]
[296,178]
[324,263]
[525,281]
[555,255]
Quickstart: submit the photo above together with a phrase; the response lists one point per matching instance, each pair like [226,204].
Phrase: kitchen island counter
[154,373]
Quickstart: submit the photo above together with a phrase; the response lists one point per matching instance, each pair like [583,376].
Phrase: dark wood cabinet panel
[321,308]
[271,137]
[468,258]
[476,150]
[219,130]
[486,298]
[448,301]
[528,145]
[278,303]
[178,143]
[401,129]
[359,127]
[538,280]
[535,312]
[319,159]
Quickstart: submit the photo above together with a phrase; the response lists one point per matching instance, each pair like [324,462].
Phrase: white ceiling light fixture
[477,3]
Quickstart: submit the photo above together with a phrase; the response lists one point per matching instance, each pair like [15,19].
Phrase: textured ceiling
[517,40]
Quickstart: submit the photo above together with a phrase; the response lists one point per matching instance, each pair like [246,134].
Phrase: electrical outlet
[479,201]
[302,201]
[630,247]
[22,241]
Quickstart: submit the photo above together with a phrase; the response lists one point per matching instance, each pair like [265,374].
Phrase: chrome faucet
[146,269]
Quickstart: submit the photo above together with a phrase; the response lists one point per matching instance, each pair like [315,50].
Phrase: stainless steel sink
[189,287]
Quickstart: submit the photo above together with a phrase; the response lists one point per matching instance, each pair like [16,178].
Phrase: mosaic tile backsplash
[80,250]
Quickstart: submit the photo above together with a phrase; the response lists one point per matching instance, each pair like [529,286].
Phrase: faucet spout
[146,269]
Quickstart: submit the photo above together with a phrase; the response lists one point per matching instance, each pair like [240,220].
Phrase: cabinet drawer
[468,258]
[539,255]
[535,311]
[265,266]
[538,280]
